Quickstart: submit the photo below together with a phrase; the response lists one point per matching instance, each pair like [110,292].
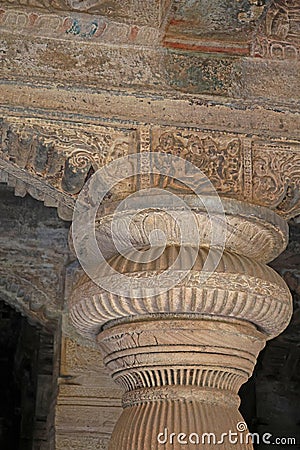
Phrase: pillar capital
[185,335]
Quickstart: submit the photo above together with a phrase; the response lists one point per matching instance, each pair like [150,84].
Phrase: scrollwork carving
[52,161]
[276,177]
[63,156]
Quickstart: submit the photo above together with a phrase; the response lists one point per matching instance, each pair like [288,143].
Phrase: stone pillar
[182,354]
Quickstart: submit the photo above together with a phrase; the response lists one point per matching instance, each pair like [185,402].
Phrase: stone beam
[53,160]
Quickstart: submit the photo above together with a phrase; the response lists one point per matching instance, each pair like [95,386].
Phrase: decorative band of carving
[240,288]
[208,377]
[204,353]
[185,393]
[253,231]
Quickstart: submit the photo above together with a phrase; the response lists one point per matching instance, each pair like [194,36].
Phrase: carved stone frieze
[219,156]
[260,172]
[56,152]
[52,161]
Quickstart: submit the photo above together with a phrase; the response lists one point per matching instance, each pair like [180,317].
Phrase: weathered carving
[276,176]
[214,29]
[219,158]
[92,28]
[247,232]
[279,35]
[77,359]
[52,162]
[81,443]
[191,387]
[62,157]
[222,294]
[34,251]
[133,11]
[28,299]
[46,149]
[228,162]
[184,351]
[84,388]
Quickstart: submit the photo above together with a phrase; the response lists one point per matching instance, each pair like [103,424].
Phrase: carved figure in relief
[219,162]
